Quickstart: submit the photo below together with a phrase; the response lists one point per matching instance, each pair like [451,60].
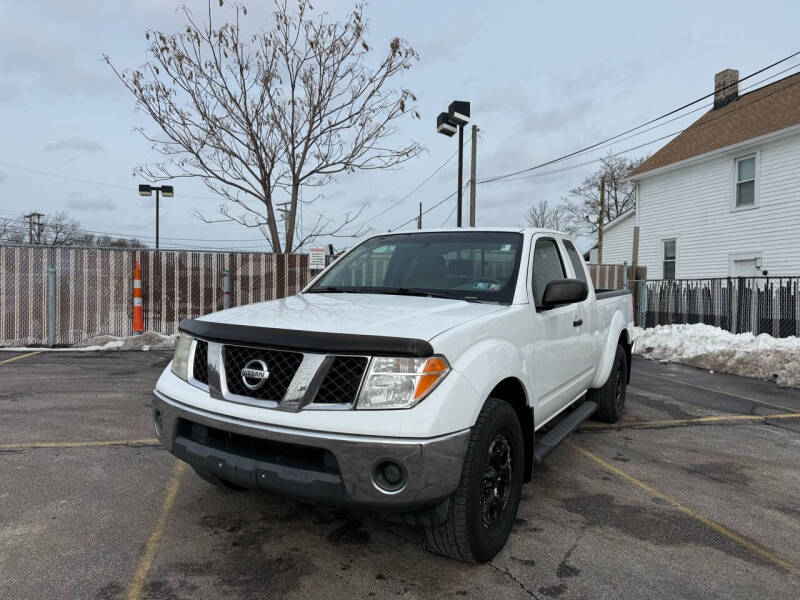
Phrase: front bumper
[432,465]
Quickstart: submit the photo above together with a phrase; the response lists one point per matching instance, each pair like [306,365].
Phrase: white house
[722,198]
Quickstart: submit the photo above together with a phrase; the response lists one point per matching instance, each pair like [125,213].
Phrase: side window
[547,266]
[576,260]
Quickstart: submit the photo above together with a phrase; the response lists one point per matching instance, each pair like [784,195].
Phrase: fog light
[158,422]
[389,476]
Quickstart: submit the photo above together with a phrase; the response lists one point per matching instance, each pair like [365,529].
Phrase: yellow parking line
[698,421]
[724,393]
[8,360]
[150,547]
[747,543]
[29,445]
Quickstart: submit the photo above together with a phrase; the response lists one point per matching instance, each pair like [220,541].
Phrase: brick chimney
[726,87]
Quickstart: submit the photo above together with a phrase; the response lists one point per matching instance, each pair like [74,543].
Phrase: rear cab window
[576,259]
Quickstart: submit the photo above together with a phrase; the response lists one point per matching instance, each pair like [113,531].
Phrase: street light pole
[147,190]
[460,171]
[157,192]
[447,123]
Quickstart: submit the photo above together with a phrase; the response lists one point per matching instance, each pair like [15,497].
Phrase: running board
[558,433]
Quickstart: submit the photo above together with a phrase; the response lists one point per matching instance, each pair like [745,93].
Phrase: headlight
[401,382]
[180,362]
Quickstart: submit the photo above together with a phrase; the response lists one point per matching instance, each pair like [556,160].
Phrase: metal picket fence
[738,304]
[94,288]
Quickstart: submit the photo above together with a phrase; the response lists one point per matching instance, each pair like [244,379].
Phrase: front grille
[341,383]
[200,365]
[281,366]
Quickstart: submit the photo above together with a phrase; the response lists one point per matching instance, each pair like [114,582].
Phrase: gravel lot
[663,506]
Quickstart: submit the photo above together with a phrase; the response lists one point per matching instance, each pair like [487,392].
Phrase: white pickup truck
[421,375]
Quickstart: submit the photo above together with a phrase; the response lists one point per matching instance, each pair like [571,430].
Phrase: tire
[470,533]
[611,397]
[219,483]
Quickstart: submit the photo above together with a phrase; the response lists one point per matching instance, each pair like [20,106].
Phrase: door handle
[577,322]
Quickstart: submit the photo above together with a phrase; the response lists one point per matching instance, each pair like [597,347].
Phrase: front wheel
[484,505]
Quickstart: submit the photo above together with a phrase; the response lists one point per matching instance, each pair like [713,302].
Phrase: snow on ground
[149,340]
[715,349]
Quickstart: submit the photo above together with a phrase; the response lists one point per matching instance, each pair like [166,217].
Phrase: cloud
[447,44]
[75,144]
[80,202]
[3,177]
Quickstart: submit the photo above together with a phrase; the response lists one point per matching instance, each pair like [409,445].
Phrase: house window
[669,258]
[746,181]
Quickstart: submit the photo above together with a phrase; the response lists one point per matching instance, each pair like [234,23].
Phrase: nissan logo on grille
[254,374]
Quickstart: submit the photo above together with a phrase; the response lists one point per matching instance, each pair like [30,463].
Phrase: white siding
[618,242]
[694,205]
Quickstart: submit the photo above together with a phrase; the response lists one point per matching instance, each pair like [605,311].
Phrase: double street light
[147,190]
[448,123]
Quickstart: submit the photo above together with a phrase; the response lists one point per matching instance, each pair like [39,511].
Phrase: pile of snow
[149,340]
[715,349]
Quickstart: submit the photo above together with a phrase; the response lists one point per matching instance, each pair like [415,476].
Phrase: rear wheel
[611,397]
[484,506]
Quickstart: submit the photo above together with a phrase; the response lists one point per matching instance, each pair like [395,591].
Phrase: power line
[632,129]
[425,212]
[409,194]
[449,216]
[567,168]
[89,181]
[143,237]
[618,137]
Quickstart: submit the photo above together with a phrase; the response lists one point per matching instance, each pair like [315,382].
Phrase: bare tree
[584,200]
[258,117]
[10,232]
[53,230]
[60,230]
[544,216]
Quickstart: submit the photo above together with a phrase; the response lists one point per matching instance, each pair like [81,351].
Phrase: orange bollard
[138,311]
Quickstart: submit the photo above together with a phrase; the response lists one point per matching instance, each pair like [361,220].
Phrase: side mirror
[564,291]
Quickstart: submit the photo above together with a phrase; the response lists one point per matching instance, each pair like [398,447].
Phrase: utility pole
[472,185]
[35,222]
[600,222]
[634,287]
[419,218]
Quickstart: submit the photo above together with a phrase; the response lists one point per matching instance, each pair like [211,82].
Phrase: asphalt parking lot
[695,494]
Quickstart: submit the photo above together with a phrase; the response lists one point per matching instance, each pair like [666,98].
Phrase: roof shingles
[762,111]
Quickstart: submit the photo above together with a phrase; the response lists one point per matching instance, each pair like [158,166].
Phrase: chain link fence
[94,288]
[738,304]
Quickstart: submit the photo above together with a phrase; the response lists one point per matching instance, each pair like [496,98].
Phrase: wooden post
[600,222]
[634,268]
[472,185]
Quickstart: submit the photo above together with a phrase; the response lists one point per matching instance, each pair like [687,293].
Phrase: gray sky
[544,78]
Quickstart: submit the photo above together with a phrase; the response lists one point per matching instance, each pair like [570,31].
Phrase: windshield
[464,265]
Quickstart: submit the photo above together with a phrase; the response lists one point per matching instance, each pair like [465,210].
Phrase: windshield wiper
[332,289]
[402,291]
